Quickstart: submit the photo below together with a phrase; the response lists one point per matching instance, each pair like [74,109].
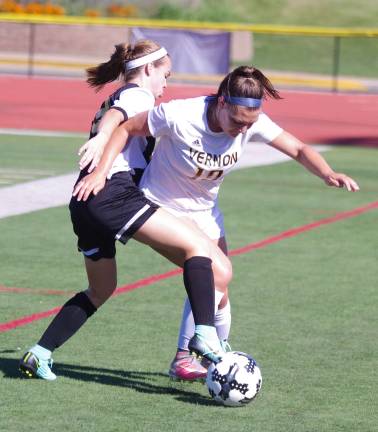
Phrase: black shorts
[115,213]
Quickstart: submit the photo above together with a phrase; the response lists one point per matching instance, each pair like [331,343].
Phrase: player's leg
[210,224]
[163,231]
[222,319]
[102,279]
[184,365]
[99,257]
[75,312]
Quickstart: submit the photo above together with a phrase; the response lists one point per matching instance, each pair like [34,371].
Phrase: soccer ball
[235,380]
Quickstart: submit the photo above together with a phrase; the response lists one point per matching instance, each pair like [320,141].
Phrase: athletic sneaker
[187,367]
[211,350]
[31,366]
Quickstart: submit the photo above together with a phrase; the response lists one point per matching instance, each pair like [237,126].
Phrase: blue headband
[244,101]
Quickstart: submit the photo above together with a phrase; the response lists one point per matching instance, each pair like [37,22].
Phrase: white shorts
[208,221]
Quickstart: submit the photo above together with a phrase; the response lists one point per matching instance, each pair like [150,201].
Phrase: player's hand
[92,151]
[92,183]
[341,180]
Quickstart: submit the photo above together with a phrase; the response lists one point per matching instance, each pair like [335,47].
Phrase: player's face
[236,119]
[159,76]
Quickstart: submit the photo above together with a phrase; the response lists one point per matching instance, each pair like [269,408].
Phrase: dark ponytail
[114,68]
[247,81]
[109,71]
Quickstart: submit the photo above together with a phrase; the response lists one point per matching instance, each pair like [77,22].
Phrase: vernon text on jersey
[213,160]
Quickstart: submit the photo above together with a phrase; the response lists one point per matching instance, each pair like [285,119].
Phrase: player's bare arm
[313,161]
[95,181]
[92,150]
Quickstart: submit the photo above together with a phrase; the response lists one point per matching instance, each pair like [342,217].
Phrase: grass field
[295,53]
[324,13]
[31,157]
[304,307]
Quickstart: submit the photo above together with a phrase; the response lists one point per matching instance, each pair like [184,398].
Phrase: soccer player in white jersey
[201,139]
[121,211]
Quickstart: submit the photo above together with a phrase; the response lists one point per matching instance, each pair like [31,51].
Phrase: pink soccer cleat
[187,367]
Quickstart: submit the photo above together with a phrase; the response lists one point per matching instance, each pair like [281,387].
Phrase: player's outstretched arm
[313,161]
[92,150]
[95,181]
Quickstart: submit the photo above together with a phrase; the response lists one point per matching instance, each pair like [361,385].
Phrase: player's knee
[99,295]
[223,274]
[199,246]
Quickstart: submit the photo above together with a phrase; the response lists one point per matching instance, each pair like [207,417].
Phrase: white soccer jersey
[130,101]
[190,161]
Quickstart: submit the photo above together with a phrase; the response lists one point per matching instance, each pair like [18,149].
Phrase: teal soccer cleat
[209,349]
[33,367]
[226,347]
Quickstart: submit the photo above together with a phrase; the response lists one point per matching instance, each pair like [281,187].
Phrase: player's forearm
[136,125]
[111,120]
[314,162]
[112,149]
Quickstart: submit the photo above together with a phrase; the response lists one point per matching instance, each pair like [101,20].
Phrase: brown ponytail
[247,81]
[114,68]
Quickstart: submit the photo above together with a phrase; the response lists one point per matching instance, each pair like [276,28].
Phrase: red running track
[69,105]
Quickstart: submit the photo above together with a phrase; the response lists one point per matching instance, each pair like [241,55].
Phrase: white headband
[156,55]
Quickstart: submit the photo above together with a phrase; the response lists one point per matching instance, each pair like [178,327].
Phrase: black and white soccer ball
[234,381]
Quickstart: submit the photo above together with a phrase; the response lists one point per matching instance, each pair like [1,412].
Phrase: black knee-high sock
[199,285]
[68,321]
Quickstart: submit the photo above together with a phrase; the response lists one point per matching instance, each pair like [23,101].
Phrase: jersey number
[213,175]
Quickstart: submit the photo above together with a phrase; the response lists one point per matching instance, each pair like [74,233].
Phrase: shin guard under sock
[199,285]
[68,321]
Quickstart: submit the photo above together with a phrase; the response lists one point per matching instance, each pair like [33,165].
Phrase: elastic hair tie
[156,55]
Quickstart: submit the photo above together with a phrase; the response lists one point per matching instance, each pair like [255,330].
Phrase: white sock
[40,352]
[223,322]
[187,327]
[187,322]
[218,298]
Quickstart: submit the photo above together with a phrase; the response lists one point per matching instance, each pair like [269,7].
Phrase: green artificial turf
[304,307]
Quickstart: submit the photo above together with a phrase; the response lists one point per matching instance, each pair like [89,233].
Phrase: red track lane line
[10,325]
[142,282]
[147,281]
[138,284]
[295,231]
[34,291]
[155,278]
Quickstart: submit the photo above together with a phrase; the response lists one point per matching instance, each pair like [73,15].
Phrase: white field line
[36,195]
[56,191]
[45,133]
[25,172]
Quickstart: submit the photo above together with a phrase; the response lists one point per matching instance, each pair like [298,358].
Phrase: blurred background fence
[334,59]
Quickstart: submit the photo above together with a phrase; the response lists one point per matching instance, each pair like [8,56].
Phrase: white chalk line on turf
[44,133]
[36,195]
[8,176]
[56,191]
